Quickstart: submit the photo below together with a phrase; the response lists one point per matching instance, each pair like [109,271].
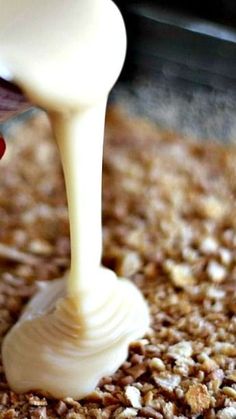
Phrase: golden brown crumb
[198,398]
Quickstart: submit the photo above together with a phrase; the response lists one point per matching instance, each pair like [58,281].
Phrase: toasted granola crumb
[39,413]
[148,398]
[198,398]
[4,399]
[9,414]
[74,415]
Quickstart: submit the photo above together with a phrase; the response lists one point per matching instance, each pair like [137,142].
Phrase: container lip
[179,46]
[184,21]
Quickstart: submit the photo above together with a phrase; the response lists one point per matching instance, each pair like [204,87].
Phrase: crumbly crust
[170,226]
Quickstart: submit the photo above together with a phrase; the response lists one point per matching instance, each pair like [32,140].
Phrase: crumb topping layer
[169,225]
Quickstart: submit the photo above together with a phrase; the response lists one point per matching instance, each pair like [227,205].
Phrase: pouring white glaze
[66,56]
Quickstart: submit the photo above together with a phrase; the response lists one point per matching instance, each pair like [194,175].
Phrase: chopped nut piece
[74,415]
[213,208]
[9,414]
[198,398]
[149,412]
[36,401]
[225,348]
[137,370]
[168,382]
[232,376]
[129,412]
[148,398]
[157,363]
[181,275]
[190,255]
[169,410]
[40,247]
[180,350]
[209,245]
[128,379]
[208,364]
[227,413]
[229,391]
[4,399]
[215,293]
[134,397]
[39,413]
[129,264]
[95,396]
[225,255]
[71,402]
[61,408]
[137,359]
[216,272]
[11,253]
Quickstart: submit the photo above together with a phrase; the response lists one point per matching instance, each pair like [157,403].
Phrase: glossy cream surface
[66,56]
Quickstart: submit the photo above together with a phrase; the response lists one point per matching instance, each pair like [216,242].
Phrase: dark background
[180,69]
[193,41]
[221,11]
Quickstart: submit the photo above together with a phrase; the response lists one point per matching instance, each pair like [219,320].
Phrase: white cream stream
[66,56]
